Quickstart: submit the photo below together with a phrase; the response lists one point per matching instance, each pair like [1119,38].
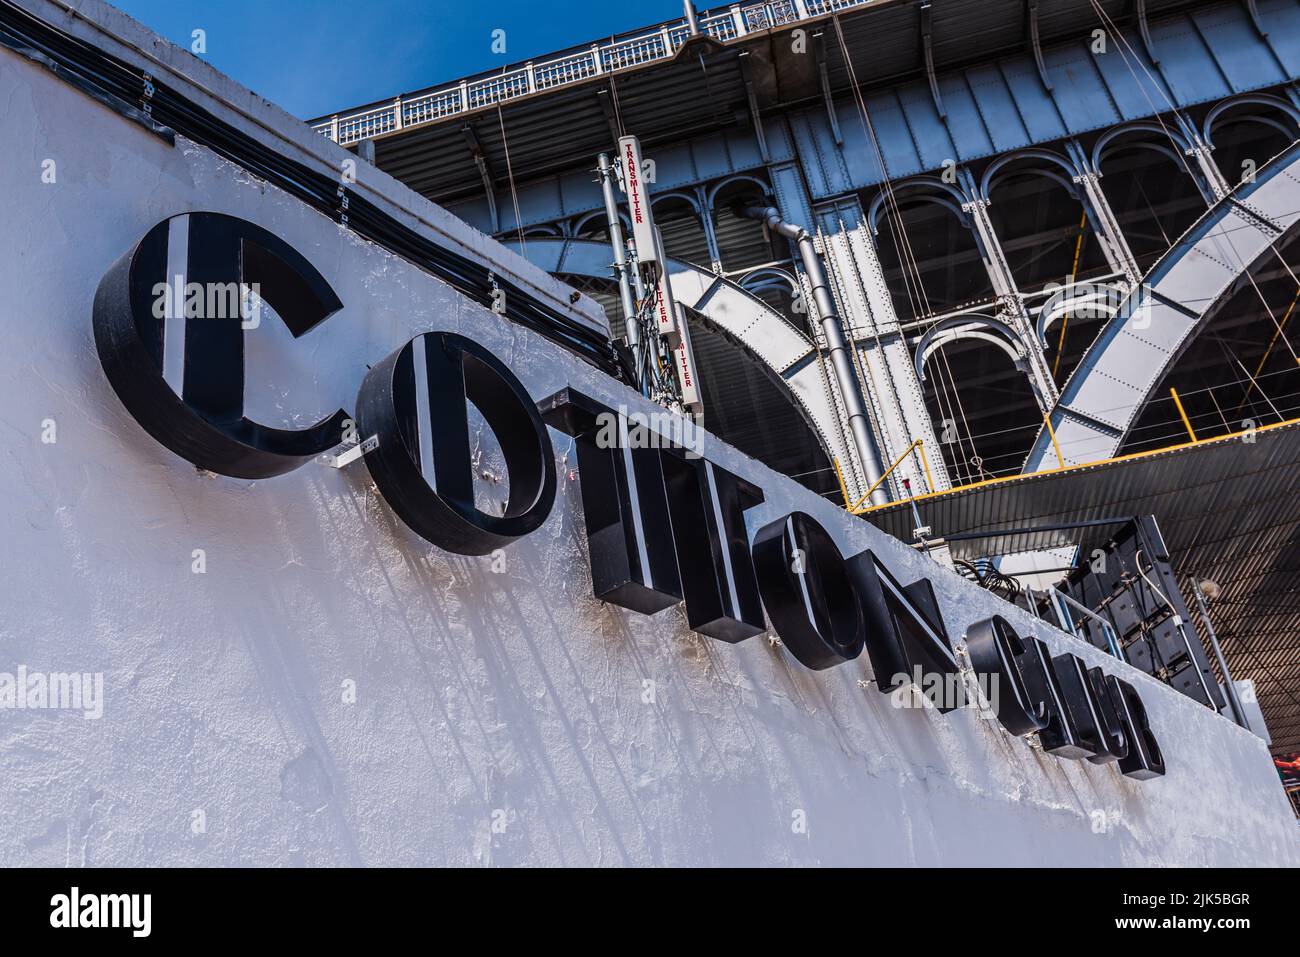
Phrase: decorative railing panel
[660,43]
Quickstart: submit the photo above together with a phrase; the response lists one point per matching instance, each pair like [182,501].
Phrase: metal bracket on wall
[820,39]
[1253,11]
[1140,12]
[1036,44]
[350,454]
[484,171]
[747,73]
[928,47]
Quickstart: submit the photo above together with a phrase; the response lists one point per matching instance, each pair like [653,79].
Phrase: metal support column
[833,330]
[1114,245]
[1004,286]
[890,383]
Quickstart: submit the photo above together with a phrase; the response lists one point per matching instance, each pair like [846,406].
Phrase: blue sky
[313,58]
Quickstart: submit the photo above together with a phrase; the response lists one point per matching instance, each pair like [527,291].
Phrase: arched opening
[743,243]
[929,254]
[1151,188]
[983,409]
[1074,324]
[1042,225]
[678,219]
[1246,134]
[595,226]
[545,231]
[1241,370]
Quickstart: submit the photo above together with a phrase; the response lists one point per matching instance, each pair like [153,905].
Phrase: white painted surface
[480,696]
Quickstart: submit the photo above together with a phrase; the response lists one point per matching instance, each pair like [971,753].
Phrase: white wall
[477,692]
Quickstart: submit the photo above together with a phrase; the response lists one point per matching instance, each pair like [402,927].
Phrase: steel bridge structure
[1059,233]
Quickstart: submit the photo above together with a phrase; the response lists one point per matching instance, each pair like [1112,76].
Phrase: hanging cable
[510,174]
[902,242]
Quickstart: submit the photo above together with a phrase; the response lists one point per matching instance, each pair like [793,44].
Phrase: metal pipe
[833,330]
[1238,712]
[691,21]
[606,170]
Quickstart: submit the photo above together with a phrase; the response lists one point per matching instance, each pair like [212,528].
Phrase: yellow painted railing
[856,508]
[1257,430]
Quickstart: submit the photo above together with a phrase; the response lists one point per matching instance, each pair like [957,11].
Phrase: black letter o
[414,402]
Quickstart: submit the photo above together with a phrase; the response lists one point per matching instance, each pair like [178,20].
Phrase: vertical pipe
[692,22]
[833,330]
[1234,702]
[605,168]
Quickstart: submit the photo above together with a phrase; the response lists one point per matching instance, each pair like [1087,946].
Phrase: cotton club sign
[663,527]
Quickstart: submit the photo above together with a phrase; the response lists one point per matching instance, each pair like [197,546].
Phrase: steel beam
[1135,350]
[1012,305]
[927,48]
[893,391]
[484,172]
[1114,246]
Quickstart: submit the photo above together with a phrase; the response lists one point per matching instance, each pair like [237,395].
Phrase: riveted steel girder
[1135,350]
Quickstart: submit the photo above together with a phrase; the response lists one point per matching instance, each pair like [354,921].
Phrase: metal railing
[1062,605]
[573,66]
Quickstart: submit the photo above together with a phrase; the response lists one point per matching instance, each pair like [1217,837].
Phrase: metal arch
[1069,185]
[917,200]
[765,277]
[1195,170]
[1160,148]
[600,215]
[1040,154]
[969,326]
[655,200]
[543,229]
[1256,99]
[739,313]
[1276,124]
[716,188]
[1062,302]
[1139,127]
[917,182]
[1158,320]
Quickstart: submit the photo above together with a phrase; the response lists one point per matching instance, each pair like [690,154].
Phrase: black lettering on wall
[1058,736]
[1143,760]
[182,376]
[994,649]
[624,504]
[905,634]
[806,589]
[708,506]
[1114,738]
[1072,680]
[414,401]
